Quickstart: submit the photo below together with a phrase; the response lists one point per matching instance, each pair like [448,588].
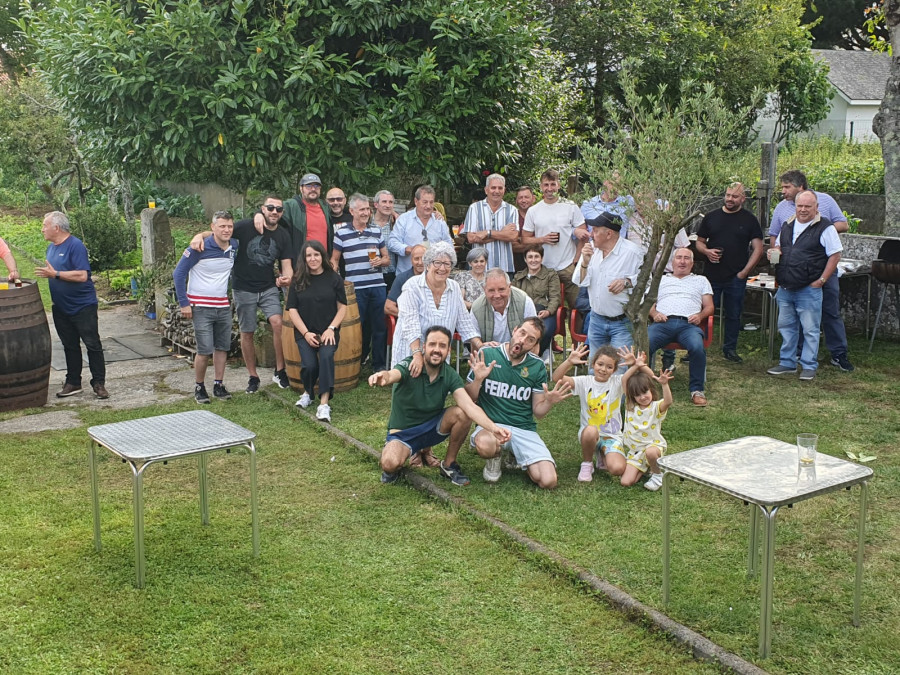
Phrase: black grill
[886,269]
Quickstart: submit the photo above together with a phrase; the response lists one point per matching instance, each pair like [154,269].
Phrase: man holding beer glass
[363,249]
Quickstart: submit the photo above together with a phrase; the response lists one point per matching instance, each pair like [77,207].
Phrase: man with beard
[305,217]
[418,419]
[255,286]
[510,384]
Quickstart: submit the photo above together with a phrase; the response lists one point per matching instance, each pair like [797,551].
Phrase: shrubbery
[105,235]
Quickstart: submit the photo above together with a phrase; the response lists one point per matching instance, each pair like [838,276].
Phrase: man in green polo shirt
[418,419]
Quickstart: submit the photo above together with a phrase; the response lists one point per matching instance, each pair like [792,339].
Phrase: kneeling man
[683,303]
[510,384]
[418,419]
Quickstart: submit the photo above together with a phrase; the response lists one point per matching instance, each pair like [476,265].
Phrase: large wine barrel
[24,348]
[347,357]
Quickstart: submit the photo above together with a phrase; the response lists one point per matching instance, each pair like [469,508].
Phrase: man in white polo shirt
[683,303]
[559,226]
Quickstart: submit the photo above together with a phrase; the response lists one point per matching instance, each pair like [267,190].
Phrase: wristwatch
[332,328]
[57,274]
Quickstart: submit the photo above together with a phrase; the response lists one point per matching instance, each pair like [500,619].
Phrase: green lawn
[615,532]
[354,577]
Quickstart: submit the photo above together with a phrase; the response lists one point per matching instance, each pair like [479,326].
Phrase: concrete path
[138,373]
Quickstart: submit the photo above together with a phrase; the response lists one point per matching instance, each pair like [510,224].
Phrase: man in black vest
[807,253]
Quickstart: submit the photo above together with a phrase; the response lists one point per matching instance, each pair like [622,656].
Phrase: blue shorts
[527,446]
[424,435]
[608,445]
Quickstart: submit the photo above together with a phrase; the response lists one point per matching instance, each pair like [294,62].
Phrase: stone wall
[870,208]
[853,290]
[213,197]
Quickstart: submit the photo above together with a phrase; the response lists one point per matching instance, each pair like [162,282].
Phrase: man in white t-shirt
[683,303]
[559,226]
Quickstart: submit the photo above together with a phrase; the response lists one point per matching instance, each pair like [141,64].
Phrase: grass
[615,532]
[354,577]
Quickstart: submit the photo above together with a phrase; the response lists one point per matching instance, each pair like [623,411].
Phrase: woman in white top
[431,299]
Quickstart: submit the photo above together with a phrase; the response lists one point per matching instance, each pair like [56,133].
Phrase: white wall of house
[844,120]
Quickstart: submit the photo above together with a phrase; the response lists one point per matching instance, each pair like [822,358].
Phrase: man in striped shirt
[365,255]
[201,285]
[493,223]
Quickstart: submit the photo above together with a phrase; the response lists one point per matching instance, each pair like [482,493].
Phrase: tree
[737,46]
[13,49]
[887,125]
[663,151]
[803,97]
[252,92]
[838,23]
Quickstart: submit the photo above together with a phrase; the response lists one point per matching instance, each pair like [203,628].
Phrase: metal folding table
[142,442]
[765,472]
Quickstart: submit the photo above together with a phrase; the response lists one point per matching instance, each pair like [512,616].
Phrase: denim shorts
[526,445]
[212,328]
[424,435]
[245,304]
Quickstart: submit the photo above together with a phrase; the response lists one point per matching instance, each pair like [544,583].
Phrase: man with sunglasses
[337,203]
[417,226]
[254,284]
[305,216]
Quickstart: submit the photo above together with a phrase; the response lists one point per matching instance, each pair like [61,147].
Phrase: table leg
[204,503]
[95,495]
[254,511]
[138,498]
[773,324]
[665,532]
[868,301]
[753,545]
[768,569]
[860,550]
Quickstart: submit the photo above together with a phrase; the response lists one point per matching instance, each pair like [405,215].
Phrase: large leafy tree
[737,45]
[840,23]
[254,91]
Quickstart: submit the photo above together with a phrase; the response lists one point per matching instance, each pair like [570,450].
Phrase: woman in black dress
[317,304]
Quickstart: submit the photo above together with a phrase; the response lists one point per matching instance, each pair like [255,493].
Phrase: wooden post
[765,189]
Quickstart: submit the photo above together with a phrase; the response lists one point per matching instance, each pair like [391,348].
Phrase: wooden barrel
[24,348]
[347,357]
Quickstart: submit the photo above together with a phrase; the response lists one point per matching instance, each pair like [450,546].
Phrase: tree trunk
[887,125]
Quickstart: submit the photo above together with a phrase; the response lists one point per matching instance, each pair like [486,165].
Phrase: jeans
[798,311]
[370,302]
[317,365]
[74,329]
[602,331]
[549,331]
[730,295]
[832,321]
[688,336]
[583,304]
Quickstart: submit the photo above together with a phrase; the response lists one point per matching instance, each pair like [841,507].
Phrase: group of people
[526,261]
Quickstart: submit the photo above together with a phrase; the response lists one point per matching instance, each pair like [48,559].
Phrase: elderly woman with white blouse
[431,299]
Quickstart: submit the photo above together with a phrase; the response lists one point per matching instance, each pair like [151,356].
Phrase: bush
[105,235]
[179,206]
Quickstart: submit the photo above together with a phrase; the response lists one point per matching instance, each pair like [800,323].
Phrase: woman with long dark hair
[317,304]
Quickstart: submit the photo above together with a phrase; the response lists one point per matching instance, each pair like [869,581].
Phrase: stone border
[636,611]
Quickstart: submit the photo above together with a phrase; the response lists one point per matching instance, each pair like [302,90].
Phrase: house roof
[858,76]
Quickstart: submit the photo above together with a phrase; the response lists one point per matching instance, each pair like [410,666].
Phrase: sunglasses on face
[335,199]
[272,207]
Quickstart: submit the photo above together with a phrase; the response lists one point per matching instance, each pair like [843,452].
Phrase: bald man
[731,239]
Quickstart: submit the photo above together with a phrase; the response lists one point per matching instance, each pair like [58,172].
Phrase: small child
[600,432]
[643,424]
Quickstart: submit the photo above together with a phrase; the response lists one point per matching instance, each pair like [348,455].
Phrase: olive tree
[666,155]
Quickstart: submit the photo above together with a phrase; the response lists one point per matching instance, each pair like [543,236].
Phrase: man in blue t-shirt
[74,304]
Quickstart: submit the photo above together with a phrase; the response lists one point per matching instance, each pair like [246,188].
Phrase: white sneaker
[654,482]
[304,401]
[586,473]
[492,470]
[323,412]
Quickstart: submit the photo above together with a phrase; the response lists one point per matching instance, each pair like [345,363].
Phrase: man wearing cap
[417,226]
[306,216]
[608,266]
